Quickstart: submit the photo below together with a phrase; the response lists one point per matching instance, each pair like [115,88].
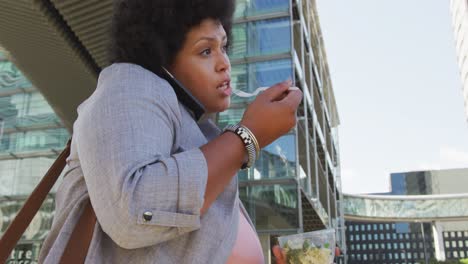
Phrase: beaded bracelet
[250,143]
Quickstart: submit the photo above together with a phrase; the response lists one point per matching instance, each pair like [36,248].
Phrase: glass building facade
[294,185]
[31,137]
[383,242]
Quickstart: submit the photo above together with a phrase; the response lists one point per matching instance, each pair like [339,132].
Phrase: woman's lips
[225,89]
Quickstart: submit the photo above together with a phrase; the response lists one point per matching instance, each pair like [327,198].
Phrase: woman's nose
[223,63]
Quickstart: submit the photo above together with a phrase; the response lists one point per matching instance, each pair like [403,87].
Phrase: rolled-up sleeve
[142,192]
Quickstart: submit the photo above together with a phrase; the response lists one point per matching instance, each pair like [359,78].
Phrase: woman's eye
[206,52]
[225,48]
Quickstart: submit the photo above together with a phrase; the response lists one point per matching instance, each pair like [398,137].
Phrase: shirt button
[147,216]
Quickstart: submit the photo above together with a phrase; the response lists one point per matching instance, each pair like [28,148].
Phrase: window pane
[277,160]
[272,206]
[245,8]
[264,37]
[20,176]
[230,116]
[248,77]
[35,233]
[25,111]
[12,78]
[35,140]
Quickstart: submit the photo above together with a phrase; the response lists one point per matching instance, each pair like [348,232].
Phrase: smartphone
[184,95]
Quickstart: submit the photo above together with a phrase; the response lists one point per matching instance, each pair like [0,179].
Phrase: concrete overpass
[409,208]
[406,208]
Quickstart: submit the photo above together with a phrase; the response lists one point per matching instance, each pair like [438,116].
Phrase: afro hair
[150,33]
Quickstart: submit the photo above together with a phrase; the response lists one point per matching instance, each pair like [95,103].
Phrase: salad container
[317,247]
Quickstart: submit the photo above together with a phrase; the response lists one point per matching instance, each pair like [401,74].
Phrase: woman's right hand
[273,113]
[279,255]
[269,116]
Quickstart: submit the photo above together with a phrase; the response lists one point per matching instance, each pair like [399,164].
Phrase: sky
[397,87]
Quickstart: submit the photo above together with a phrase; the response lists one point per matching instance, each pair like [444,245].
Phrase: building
[402,242]
[380,242]
[30,139]
[453,236]
[459,10]
[295,184]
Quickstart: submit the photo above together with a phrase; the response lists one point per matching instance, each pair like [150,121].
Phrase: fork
[257,91]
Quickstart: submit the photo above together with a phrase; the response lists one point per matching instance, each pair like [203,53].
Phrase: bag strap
[84,229]
[78,245]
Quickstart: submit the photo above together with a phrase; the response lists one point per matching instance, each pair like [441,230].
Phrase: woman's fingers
[293,99]
[276,90]
[276,102]
[279,255]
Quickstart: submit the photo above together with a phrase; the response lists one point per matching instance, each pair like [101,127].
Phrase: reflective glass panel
[33,140]
[264,37]
[271,206]
[11,78]
[248,77]
[26,110]
[20,176]
[230,117]
[277,160]
[36,231]
[31,136]
[246,8]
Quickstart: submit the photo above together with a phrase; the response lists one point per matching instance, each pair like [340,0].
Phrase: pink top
[247,249]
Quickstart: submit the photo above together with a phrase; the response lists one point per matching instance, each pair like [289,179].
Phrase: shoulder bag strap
[78,244]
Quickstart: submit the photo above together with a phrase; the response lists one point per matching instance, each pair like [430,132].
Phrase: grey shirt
[135,149]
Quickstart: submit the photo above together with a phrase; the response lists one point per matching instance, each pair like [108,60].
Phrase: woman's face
[202,65]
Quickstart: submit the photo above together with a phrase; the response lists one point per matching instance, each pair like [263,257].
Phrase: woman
[161,190]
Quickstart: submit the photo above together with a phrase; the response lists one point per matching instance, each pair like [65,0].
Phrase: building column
[439,249]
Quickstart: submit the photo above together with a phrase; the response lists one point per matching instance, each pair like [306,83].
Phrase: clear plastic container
[317,247]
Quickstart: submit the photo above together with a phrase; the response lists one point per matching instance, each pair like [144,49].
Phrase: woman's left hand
[279,255]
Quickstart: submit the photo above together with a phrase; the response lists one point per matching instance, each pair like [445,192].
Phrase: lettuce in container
[317,247]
